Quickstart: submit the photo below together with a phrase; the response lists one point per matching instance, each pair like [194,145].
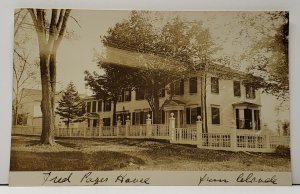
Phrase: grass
[134,154]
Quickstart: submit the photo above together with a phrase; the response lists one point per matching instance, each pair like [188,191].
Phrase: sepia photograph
[151,91]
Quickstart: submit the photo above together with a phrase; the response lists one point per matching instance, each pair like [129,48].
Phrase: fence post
[127,126]
[85,127]
[199,131]
[100,128]
[118,125]
[148,126]
[172,127]
[233,140]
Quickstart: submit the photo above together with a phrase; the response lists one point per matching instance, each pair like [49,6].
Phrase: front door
[248,118]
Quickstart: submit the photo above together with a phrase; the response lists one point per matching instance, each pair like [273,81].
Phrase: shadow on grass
[69,161]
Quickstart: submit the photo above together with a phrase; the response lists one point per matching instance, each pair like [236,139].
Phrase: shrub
[282,151]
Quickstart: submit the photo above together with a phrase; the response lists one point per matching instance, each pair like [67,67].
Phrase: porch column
[127,126]
[172,127]
[178,118]
[199,131]
[148,126]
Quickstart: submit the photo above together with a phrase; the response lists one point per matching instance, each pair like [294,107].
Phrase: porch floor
[134,154]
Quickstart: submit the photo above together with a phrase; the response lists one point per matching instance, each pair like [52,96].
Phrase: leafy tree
[50,33]
[162,56]
[269,53]
[71,106]
[108,86]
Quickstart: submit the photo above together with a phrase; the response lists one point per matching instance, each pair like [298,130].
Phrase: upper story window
[237,88]
[162,92]
[94,106]
[107,105]
[250,91]
[215,115]
[139,95]
[215,85]
[193,85]
[88,107]
[125,95]
[178,87]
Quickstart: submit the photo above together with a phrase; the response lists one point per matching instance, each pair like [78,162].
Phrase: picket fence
[189,135]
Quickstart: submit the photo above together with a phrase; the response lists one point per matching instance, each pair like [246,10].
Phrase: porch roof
[244,103]
[92,114]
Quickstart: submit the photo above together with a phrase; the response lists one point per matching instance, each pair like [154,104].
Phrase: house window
[215,115]
[250,91]
[127,95]
[107,105]
[100,106]
[94,107]
[193,85]
[106,121]
[178,87]
[162,92]
[214,85]
[139,94]
[120,97]
[246,122]
[95,122]
[237,88]
[88,107]
[191,115]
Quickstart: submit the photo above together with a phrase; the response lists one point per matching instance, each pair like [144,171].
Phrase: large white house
[230,104]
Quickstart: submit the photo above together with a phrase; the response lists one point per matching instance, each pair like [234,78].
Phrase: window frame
[237,93]
[193,89]
[218,115]
[215,85]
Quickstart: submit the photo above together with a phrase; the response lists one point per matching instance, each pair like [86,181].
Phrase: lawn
[133,154]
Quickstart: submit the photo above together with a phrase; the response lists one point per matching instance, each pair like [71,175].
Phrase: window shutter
[129,98]
[182,87]
[142,117]
[133,118]
[163,117]
[188,116]
[237,117]
[199,111]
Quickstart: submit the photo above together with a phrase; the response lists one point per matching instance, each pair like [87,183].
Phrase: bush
[282,151]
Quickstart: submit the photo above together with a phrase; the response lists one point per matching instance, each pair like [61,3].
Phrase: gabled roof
[175,103]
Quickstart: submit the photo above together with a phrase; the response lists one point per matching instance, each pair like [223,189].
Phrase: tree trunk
[48,124]
[156,112]
[114,120]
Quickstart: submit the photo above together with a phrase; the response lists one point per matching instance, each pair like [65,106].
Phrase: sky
[76,54]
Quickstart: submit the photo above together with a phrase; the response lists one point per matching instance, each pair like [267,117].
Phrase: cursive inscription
[56,179]
[251,178]
[206,178]
[124,179]
[90,179]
